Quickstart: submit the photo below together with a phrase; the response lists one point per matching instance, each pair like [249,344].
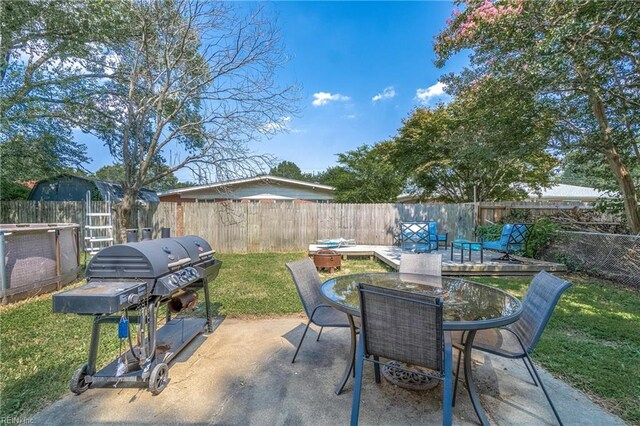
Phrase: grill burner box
[132,281]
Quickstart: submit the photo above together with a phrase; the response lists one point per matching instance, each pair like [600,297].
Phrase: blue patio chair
[514,237]
[433,234]
[405,327]
[416,237]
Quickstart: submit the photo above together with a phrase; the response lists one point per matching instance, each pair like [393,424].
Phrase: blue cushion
[494,245]
[504,237]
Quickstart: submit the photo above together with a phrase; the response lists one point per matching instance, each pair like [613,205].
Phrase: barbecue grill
[127,284]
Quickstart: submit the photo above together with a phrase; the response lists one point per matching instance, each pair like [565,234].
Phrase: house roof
[104,187]
[263,178]
[558,192]
[567,192]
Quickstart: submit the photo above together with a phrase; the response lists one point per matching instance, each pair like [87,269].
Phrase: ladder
[99,227]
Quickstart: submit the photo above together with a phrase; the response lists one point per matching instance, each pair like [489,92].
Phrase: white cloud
[425,95]
[276,126]
[387,93]
[323,98]
[350,116]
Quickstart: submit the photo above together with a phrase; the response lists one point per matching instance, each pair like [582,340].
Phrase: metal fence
[612,256]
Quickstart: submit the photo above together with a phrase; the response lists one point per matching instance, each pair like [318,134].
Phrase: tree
[288,169]
[115,173]
[581,59]
[199,78]
[52,59]
[45,149]
[488,144]
[364,176]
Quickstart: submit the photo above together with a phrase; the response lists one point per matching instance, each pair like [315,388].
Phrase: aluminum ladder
[99,227]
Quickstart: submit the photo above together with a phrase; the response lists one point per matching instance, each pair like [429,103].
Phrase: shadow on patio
[242,374]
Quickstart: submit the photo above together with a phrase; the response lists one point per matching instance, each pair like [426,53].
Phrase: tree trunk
[125,213]
[623,177]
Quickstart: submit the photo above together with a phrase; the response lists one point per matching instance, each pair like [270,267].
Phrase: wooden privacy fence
[263,227]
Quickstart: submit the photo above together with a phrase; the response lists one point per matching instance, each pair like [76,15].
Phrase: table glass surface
[467,305]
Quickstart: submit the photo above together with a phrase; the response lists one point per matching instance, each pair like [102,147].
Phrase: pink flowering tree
[580,60]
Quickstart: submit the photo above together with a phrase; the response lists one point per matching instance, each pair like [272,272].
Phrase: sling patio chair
[406,327]
[433,234]
[518,340]
[307,281]
[423,263]
[417,237]
[514,237]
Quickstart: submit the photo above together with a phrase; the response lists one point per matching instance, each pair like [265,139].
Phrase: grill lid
[197,247]
[145,259]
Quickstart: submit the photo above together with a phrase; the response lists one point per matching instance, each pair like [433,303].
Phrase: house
[253,190]
[74,188]
[562,192]
[556,193]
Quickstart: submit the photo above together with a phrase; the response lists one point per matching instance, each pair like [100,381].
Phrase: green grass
[592,341]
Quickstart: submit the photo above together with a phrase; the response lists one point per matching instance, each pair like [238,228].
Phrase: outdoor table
[462,243]
[468,306]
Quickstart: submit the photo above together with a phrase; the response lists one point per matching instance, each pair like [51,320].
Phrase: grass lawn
[592,340]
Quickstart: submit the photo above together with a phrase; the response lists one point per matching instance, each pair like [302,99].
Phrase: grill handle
[207,253]
[179,263]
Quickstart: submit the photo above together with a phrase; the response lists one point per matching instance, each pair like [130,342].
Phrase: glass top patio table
[467,305]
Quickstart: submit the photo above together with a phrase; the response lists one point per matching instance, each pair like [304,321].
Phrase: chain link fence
[612,256]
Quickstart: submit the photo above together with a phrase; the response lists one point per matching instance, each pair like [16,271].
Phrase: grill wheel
[77,384]
[159,378]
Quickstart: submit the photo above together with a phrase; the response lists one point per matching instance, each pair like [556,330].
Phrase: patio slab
[242,375]
[391,256]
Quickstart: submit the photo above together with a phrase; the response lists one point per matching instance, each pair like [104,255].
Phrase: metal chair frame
[443,346]
[417,237]
[527,347]
[311,307]
[518,236]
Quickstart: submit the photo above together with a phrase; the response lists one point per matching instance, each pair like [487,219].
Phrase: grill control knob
[173,279]
[133,299]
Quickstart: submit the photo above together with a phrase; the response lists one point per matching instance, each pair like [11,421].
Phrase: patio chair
[514,237]
[518,340]
[307,281]
[433,234]
[408,328]
[416,237]
[426,264]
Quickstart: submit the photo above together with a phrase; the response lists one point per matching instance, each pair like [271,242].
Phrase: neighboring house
[256,189]
[562,192]
[556,193]
[74,188]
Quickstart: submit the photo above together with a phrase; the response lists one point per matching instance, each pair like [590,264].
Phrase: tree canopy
[580,61]
[364,176]
[487,140]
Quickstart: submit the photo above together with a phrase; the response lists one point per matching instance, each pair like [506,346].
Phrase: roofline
[89,179]
[247,180]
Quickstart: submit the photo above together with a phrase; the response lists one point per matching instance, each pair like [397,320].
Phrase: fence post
[179,220]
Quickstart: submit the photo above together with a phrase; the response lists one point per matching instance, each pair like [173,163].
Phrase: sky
[362,67]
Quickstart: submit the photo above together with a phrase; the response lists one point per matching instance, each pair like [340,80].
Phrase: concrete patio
[242,374]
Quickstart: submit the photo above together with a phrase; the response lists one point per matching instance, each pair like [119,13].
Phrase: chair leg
[300,344]
[447,403]
[535,383]
[357,386]
[455,385]
[376,368]
[544,390]
[318,339]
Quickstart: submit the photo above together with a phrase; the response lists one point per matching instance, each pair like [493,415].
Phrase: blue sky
[361,67]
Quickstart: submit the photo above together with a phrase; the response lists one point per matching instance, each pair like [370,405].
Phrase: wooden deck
[391,256]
